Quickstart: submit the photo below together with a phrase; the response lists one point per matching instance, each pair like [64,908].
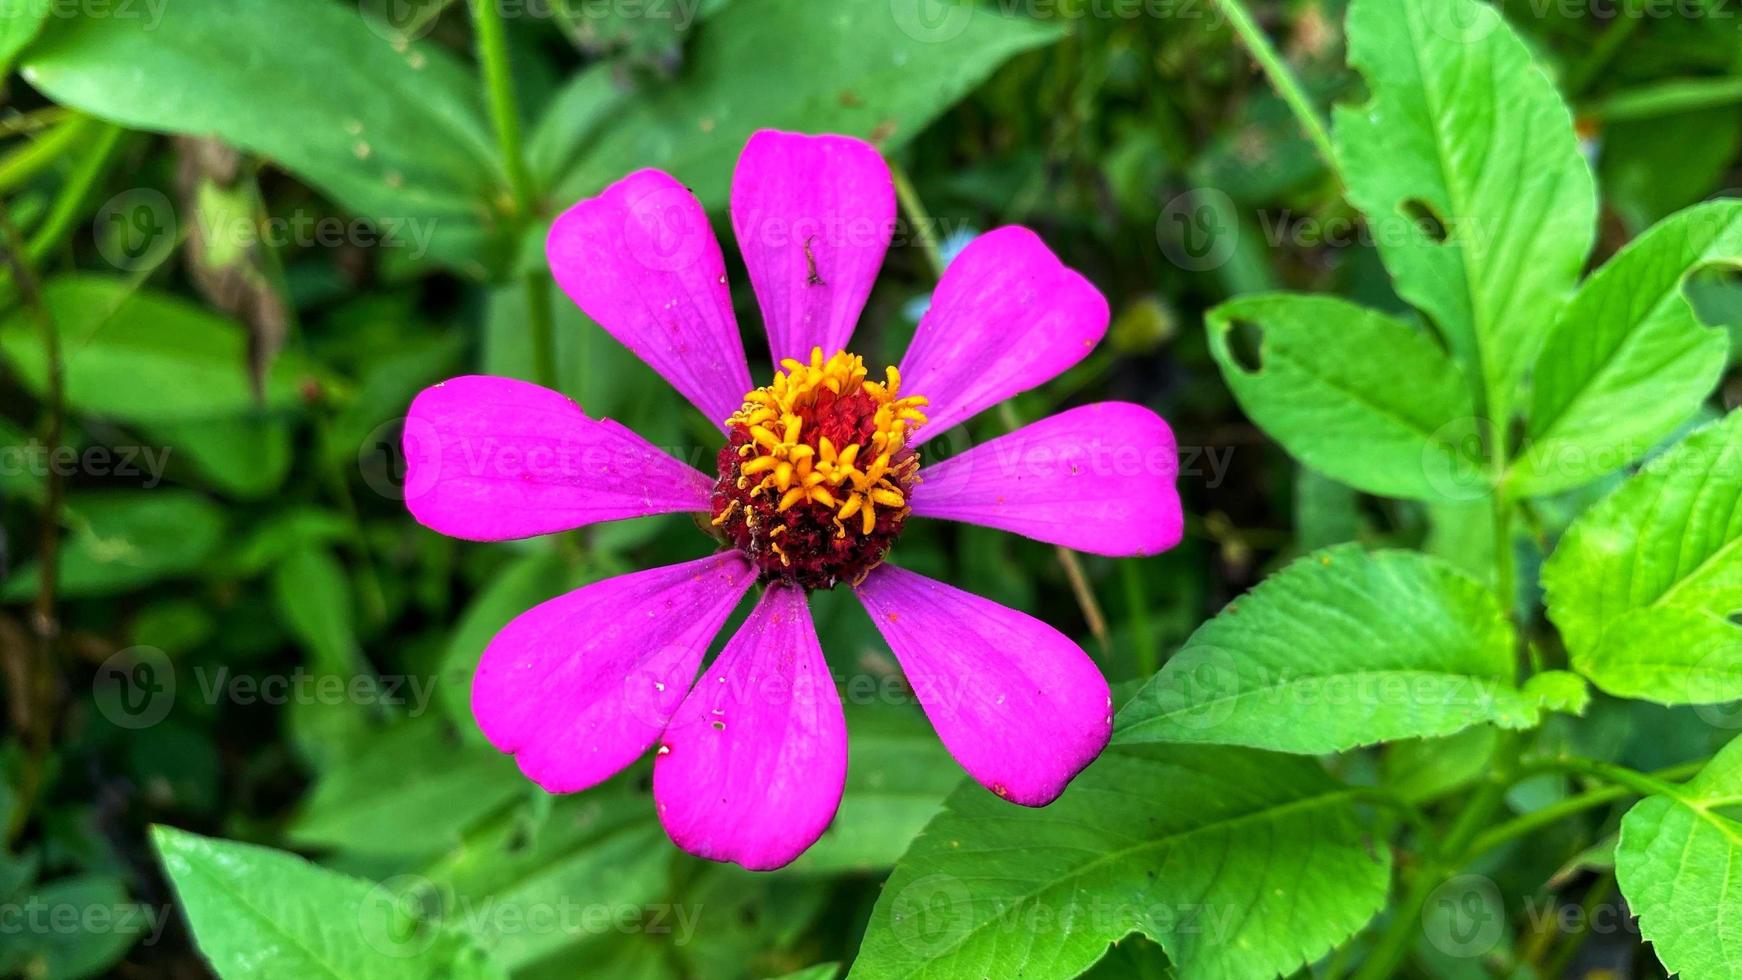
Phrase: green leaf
[40,943]
[125,539]
[313,596]
[822,971]
[522,584]
[1646,584]
[1467,167]
[599,851]
[394,132]
[1342,648]
[898,775]
[1629,360]
[135,355]
[1239,863]
[1360,396]
[20,20]
[245,456]
[1678,863]
[256,912]
[872,71]
[410,791]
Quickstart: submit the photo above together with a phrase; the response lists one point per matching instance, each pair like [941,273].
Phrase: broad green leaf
[124,539]
[135,355]
[898,775]
[20,20]
[870,70]
[1239,863]
[1467,167]
[1360,396]
[522,584]
[410,791]
[1344,648]
[1679,864]
[822,971]
[1646,585]
[313,596]
[40,945]
[256,912]
[394,132]
[244,456]
[1628,360]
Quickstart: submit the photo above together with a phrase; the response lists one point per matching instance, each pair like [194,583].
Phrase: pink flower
[818,474]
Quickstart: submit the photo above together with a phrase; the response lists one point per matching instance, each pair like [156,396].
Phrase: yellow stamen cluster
[783,458]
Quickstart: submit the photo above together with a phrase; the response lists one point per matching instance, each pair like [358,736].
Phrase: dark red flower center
[816,471]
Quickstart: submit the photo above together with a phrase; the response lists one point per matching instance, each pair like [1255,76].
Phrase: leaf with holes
[1628,360]
[1679,864]
[1362,397]
[1468,170]
[1239,863]
[1346,648]
[256,912]
[1646,585]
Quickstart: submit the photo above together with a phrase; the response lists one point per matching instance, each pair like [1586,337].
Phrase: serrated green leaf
[1362,397]
[1466,133]
[392,130]
[869,70]
[1678,862]
[1239,863]
[1628,360]
[1342,648]
[1644,585]
[256,912]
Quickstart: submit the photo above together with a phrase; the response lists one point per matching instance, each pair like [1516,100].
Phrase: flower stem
[505,116]
[924,229]
[1572,805]
[1281,78]
[499,91]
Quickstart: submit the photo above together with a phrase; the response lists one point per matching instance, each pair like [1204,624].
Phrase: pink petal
[579,686]
[1098,478]
[830,195]
[752,766]
[489,459]
[1006,317]
[1019,705]
[641,259]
